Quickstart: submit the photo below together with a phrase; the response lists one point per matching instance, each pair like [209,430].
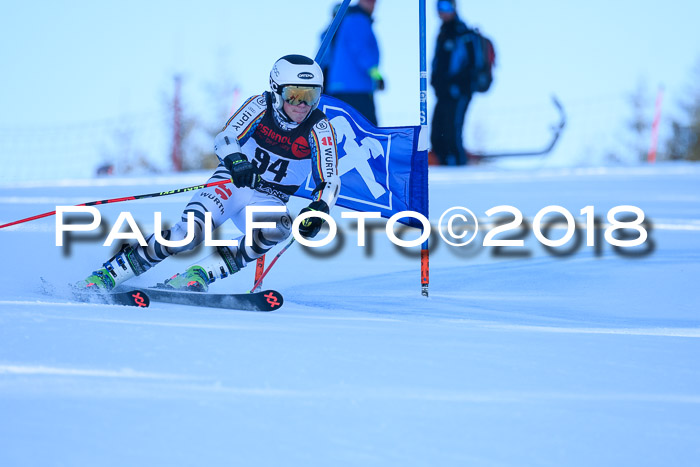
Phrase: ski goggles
[295,95]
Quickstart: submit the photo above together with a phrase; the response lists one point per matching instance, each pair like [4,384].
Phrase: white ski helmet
[298,72]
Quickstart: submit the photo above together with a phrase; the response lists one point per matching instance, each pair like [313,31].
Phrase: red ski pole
[259,271]
[127,198]
[272,263]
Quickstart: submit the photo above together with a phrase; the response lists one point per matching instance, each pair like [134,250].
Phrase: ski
[267,300]
[133,297]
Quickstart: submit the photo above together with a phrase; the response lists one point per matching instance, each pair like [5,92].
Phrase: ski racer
[267,149]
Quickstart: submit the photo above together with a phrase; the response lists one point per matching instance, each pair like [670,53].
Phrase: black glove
[242,172]
[310,226]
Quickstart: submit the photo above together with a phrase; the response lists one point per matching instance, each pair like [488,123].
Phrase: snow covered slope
[520,359]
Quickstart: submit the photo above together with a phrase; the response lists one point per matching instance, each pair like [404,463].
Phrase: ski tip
[138,298]
[272,300]
[135,297]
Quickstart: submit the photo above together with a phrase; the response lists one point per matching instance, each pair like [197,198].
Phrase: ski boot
[121,267]
[194,279]
[197,277]
[98,280]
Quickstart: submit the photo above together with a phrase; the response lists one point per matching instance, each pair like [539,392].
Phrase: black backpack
[484,61]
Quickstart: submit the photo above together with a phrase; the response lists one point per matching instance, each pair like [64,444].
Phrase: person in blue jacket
[353,70]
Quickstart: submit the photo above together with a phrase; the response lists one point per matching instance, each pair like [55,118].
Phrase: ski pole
[127,198]
[272,263]
[259,270]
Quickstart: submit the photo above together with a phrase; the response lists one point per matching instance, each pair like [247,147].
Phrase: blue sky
[76,64]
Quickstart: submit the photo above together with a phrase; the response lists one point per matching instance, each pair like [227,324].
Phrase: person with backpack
[461,66]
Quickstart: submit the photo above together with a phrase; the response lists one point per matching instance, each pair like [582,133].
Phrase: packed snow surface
[519,356]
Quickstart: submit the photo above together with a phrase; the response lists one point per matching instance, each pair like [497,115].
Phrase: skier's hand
[310,226]
[242,172]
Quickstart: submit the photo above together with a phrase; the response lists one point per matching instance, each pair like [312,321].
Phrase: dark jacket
[453,61]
